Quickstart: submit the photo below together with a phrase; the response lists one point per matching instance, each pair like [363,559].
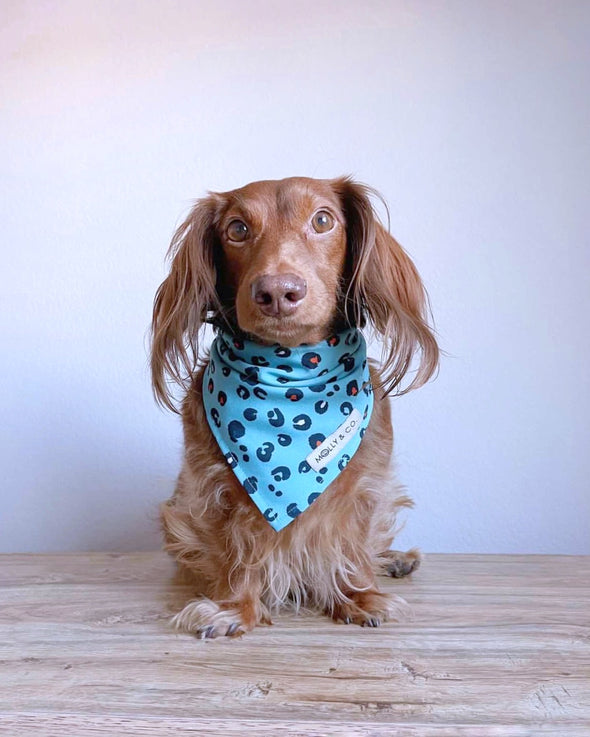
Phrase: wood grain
[497,646]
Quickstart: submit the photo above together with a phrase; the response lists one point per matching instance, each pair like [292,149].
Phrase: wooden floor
[497,646]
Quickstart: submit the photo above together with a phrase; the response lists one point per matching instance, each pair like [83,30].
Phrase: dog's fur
[356,275]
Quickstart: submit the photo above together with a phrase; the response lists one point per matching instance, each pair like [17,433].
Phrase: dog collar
[287,420]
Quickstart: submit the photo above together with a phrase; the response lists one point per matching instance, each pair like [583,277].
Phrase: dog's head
[289,262]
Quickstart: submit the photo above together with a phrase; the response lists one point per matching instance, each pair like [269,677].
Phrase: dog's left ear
[186,299]
[385,289]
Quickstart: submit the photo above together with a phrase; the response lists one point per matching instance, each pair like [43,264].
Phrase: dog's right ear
[185,300]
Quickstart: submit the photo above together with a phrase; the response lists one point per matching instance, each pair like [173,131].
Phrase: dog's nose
[278,294]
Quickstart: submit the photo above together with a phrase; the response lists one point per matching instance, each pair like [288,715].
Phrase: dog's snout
[278,294]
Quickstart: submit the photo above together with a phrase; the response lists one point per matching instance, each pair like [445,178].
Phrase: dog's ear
[185,300]
[385,289]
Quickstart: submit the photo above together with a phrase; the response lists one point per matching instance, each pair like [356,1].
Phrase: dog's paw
[397,564]
[370,609]
[206,620]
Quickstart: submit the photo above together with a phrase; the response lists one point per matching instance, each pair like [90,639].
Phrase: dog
[287,268]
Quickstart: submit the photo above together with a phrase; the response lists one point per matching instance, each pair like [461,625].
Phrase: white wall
[472,118]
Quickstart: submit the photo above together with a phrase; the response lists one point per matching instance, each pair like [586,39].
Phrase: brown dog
[289,262]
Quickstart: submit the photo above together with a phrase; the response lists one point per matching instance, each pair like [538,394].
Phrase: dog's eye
[237,231]
[322,221]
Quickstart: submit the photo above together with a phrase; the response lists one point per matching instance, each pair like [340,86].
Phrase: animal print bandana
[288,420]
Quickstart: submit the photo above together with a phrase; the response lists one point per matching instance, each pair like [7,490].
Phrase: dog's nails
[207,632]
[233,630]
[347,620]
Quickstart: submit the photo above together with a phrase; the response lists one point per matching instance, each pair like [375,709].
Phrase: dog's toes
[371,622]
[207,620]
[369,609]
[398,564]
[400,568]
[206,633]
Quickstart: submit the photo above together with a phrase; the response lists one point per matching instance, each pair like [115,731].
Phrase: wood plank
[24,725]
[498,645]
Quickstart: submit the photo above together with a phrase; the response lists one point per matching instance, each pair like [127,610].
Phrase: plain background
[472,119]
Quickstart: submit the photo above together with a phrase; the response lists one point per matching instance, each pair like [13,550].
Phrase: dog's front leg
[360,602]
[230,613]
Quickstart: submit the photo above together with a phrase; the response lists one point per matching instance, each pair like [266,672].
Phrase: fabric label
[335,443]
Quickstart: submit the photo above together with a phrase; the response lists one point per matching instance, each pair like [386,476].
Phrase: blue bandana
[288,420]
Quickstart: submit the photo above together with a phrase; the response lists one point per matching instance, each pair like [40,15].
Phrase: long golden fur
[355,274]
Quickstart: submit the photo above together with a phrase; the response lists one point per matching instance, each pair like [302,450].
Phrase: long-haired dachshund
[285,495]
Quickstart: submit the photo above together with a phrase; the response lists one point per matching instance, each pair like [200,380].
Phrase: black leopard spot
[304,467]
[323,372]
[259,392]
[346,408]
[311,360]
[276,417]
[259,361]
[265,452]
[212,366]
[242,392]
[302,422]
[316,439]
[294,394]
[321,406]
[250,375]
[366,412]
[293,510]
[222,398]
[281,473]
[282,352]
[283,379]
[225,370]
[351,339]
[215,416]
[352,388]
[285,367]
[251,484]
[333,341]
[312,497]
[239,344]
[284,440]
[270,514]
[317,388]
[250,414]
[232,459]
[347,361]
[362,432]
[343,462]
[236,430]
[210,386]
